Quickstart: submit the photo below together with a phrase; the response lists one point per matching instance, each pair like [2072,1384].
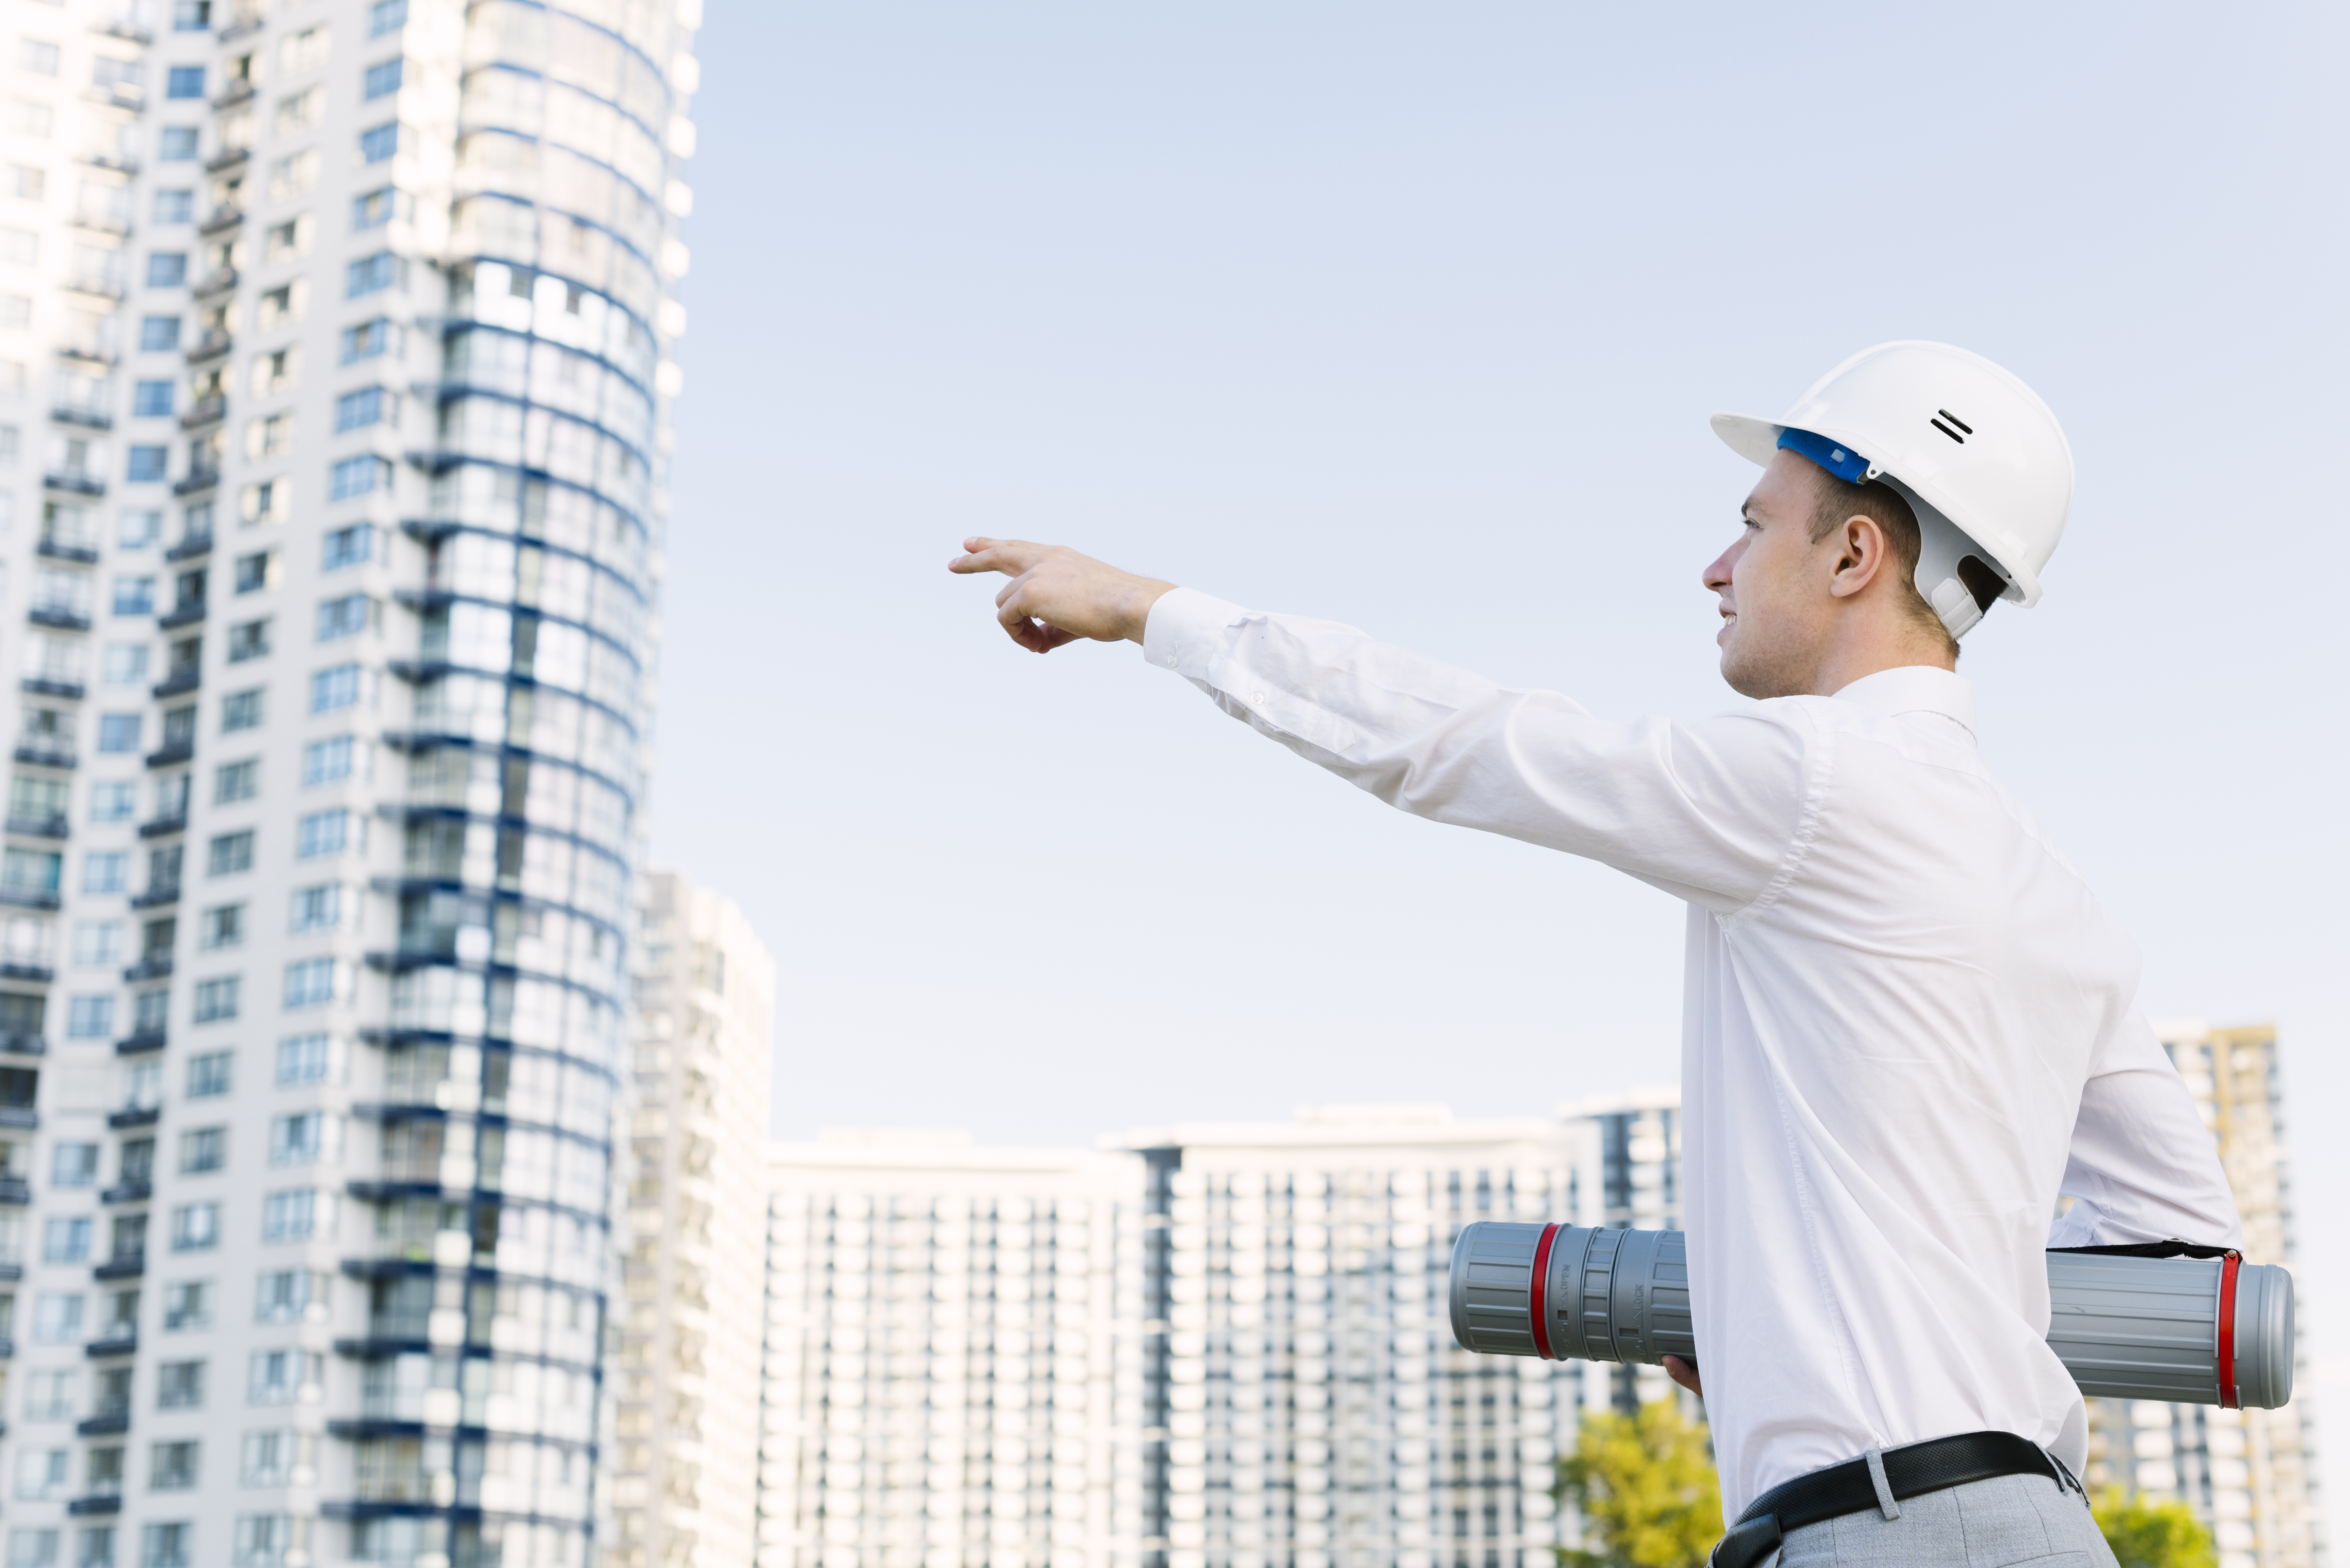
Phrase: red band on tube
[2227,1346]
[1539,1306]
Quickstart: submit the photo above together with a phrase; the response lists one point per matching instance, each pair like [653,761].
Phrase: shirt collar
[1915,689]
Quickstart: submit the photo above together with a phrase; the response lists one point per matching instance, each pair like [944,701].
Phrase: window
[38,57]
[98,944]
[303,1059]
[237,781]
[180,1386]
[202,1150]
[150,1011]
[49,1396]
[380,79]
[256,572]
[292,175]
[335,688]
[159,333]
[192,15]
[289,1295]
[346,616]
[137,528]
[175,206]
[209,1075]
[351,546]
[177,144]
[318,908]
[223,925]
[216,999]
[321,833]
[271,435]
[150,399]
[376,144]
[187,1304]
[90,1017]
[369,275]
[146,466]
[278,1376]
[296,1215]
[66,1240]
[73,1165]
[373,209]
[135,596]
[323,762]
[40,1478]
[105,871]
[304,50]
[386,16]
[164,1546]
[229,853]
[366,340]
[248,639]
[240,710]
[298,111]
[172,1467]
[167,269]
[309,982]
[36,871]
[355,410]
[303,1137]
[357,476]
[184,81]
[57,1317]
[195,1226]
[117,732]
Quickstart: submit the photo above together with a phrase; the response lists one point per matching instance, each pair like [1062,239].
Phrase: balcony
[227,158]
[24,1116]
[173,754]
[239,89]
[64,618]
[45,686]
[128,98]
[24,1044]
[128,1192]
[40,826]
[56,549]
[97,1503]
[12,1270]
[98,286]
[37,974]
[88,419]
[214,343]
[156,898]
[176,684]
[114,228]
[207,411]
[29,897]
[152,966]
[130,1266]
[15,1191]
[74,481]
[220,219]
[119,1339]
[108,1421]
[127,27]
[113,163]
[95,355]
[135,1116]
[144,1042]
[197,479]
[218,281]
[45,756]
[186,613]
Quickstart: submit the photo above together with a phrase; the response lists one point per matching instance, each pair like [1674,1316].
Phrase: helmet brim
[1750,437]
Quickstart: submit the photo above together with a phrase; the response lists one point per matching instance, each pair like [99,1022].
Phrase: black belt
[1848,1487]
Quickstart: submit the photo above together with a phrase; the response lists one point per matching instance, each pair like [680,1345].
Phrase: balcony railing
[129,1266]
[186,613]
[49,686]
[57,549]
[207,411]
[134,1191]
[214,343]
[218,281]
[110,1418]
[135,1116]
[129,28]
[220,218]
[108,223]
[98,286]
[141,1043]
[156,898]
[54,825]
[74,481]
[153,966]
[37,974]
[190,547]
[82,415]
[30,898]
[15,1191]
[65,617]
[226,158]
[239,91]
[197,479]
[94,354]
[116,1339]
[110,164]
[177,683]
[42,755]
[97,1503]
[127,97]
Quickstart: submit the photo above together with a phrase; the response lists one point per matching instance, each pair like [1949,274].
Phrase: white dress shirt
[1907,1025]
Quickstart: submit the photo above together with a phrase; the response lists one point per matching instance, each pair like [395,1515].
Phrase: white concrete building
[332,374]
[687,1371]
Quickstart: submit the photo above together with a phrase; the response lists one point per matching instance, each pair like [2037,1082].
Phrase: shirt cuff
[1185,631]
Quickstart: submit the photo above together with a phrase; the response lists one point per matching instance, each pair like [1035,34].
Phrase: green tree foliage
[2153,1535]
[1647,1486]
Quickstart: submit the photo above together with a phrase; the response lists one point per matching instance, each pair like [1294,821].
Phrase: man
[1907,1027]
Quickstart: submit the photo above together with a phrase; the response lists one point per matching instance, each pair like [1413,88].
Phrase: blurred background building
[332,386]
[687,1367]
[2249,1475]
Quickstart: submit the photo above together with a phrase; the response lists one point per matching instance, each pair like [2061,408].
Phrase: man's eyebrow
[1746,509]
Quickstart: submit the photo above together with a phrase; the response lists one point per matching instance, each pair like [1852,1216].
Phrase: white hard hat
[1978,455]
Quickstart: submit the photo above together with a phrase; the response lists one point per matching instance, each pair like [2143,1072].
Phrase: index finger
[1010,556]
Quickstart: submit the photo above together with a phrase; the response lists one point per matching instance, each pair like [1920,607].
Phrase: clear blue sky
[1410,316]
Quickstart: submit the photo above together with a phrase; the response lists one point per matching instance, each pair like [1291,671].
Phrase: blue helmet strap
[1841,460]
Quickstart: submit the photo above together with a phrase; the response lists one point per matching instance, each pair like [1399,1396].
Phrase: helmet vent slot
[1982,580]
[1954,420]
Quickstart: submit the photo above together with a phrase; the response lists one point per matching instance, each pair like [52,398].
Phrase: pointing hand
[1057,595]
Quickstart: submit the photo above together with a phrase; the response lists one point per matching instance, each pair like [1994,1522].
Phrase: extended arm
[2143,1166]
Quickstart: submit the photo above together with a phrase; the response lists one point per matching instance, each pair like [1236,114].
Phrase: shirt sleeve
[2143,1167]
[1705,811]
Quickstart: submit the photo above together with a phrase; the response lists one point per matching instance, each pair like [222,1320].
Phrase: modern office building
[1256,1369]
[956,1357]
[2250,1475]
[332,377]
[687,1372]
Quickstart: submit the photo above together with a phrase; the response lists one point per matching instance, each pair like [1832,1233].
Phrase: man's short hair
[1889,510]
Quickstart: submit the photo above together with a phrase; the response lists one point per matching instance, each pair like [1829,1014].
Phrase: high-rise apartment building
[687,1368]
[2249,1475]
[331,413]
[1250,1363]
[955,1359]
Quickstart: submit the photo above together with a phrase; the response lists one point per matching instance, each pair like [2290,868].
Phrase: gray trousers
[2007,1521]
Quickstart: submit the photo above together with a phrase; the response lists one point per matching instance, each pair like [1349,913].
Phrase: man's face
[1774,586]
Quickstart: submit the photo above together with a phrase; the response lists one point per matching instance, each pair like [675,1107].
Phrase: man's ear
[1861,551]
